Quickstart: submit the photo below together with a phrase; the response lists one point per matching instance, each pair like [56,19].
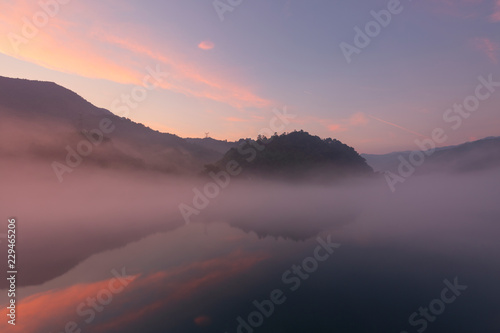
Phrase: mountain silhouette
[294,156]
[470,156]
[40,119]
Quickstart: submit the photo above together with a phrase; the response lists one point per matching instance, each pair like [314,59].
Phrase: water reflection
[395,254]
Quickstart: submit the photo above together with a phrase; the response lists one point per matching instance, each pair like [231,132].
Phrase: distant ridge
[469,156]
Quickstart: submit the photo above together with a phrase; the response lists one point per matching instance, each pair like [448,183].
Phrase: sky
[227,65]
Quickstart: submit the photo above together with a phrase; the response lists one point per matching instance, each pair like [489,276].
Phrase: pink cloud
[69,44]
[456,8]
[336,128]
[462,8]
[488,47]
[189,80]
[235,119]
[495,17]
[206,45]
[358,119]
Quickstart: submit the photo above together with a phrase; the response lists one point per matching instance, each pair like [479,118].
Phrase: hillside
[296,155]
[215,145]
[41,119]
[471,156]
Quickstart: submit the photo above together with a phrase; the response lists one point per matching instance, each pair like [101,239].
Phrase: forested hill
[296,155]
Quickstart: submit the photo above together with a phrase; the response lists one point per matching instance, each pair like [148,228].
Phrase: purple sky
[230,67]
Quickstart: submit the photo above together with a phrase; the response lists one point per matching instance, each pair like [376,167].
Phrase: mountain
[296,155]
[220,146]
[471,156]
[44,121]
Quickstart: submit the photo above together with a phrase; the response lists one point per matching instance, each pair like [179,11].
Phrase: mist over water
[396,249]
[197,166]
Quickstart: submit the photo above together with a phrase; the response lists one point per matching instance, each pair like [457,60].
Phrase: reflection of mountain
[471,156]
[40,119]
[296,230]
[43,262]
[296,212]
[296,155]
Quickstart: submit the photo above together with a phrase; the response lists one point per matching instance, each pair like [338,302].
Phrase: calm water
[389,258]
